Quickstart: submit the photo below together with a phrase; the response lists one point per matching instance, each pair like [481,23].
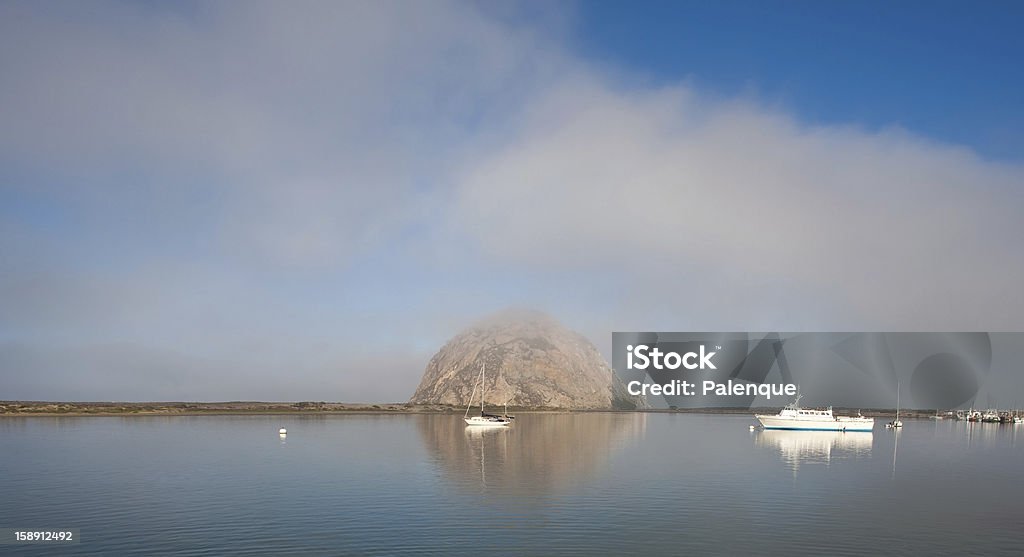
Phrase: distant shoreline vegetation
[49,408]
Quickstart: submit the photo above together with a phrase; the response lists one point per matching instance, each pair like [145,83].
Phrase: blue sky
[259,200]
[947,70]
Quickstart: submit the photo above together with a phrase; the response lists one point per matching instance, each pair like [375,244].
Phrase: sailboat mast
[470,405]
[897,401]
[483,376]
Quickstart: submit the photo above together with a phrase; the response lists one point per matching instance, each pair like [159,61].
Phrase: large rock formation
[531,361]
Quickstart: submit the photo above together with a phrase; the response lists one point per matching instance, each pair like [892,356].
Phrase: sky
[305,200]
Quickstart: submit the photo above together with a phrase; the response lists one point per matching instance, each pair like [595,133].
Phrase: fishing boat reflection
[814,447]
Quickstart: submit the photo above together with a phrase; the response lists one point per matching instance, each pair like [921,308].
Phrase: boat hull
[849,424]
[477,421]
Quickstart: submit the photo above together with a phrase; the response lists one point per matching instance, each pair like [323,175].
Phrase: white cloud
[690,197]
[314,123]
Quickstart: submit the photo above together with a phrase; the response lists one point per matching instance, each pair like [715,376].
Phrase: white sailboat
[896,423]
[485,419]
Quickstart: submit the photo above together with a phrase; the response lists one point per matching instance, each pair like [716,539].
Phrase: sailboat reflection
[814,447]
[479,437]
[541,454]
[895,448]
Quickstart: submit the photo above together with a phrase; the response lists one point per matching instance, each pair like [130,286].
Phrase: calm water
[554,484]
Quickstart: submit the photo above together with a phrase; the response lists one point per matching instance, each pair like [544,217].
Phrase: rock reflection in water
[814,447]
[539,454]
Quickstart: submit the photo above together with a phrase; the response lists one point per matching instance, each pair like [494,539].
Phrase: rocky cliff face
[531,360]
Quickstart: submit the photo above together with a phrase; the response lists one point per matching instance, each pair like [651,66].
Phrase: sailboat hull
[481,421]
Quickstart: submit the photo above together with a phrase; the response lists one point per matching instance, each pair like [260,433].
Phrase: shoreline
[254,408]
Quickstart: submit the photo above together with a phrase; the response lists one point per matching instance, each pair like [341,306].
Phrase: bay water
[552,484]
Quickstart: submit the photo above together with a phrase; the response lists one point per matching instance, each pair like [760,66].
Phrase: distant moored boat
[485,419]
[896,423]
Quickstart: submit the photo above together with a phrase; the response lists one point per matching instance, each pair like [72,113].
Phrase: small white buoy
[751,428]
[283,431]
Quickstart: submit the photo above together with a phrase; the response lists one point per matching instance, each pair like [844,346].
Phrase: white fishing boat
[971,415]
[485,419]
[793,417]
[895,424]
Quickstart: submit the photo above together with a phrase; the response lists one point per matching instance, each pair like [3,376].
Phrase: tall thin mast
[470,405]
[897,401]
[483,376]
